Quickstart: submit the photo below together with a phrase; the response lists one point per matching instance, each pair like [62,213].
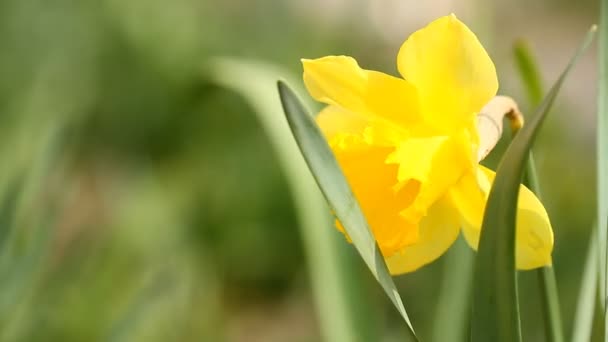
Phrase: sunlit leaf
[341,304]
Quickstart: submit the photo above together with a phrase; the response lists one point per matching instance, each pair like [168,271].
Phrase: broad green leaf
[495,314]
[340,300]
[334,186]
[602,161]
[531,78]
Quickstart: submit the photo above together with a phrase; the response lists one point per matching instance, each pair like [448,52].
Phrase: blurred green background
[141,200]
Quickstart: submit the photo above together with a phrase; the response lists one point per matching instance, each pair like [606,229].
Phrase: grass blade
[334,186]
[528,71]
[602,161]
[340,302]
[495,305]
[530,75]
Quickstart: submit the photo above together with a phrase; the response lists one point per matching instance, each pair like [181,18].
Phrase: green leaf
[334,186]
[528,72]
[530,75]
[342,306]
[585,307]
[8,207]
[495,314]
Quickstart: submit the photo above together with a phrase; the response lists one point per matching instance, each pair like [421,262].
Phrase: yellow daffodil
[409,146]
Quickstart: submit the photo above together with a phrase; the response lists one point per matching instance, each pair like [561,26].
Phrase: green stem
[450,324]
[546,275]
[550,301]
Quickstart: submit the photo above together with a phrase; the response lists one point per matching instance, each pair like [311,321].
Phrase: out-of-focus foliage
[141,202]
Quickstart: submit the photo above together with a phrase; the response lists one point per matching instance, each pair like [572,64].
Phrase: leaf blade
[336,190]
[586,301]
[333,269]
[528,72]
[495,303]
[530,75]
[332,272]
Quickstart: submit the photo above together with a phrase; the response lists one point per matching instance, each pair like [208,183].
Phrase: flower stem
[550,301]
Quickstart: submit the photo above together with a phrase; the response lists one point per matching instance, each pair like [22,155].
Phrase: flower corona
[409,146]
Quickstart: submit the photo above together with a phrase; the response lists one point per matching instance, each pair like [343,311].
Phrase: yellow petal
[438,230]
[453,74]
[534,242]
[436,162]
[345,129]
[372,182]
[338,80]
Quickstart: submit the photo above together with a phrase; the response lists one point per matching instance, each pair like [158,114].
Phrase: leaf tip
[282,86]
[284,93]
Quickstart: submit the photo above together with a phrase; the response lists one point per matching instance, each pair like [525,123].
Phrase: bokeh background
[142,200]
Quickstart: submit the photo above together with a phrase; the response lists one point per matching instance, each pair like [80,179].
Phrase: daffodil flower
[409,146]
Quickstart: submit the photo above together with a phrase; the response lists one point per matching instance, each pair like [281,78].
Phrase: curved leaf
[339,299]
[546,276]
[495,314]
[334,186]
